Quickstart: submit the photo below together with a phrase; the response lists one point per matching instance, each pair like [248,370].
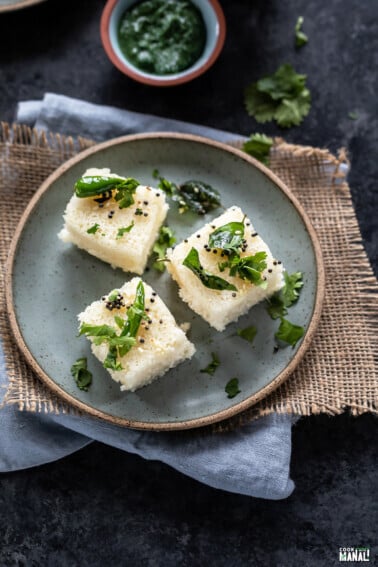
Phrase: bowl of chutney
[163,42]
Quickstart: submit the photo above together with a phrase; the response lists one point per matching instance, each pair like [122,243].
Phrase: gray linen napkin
[253,460]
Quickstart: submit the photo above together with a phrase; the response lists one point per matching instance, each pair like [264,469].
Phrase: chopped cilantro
[282,96]
[289,333]
[258,146]
[155,174]
[213,365]
[248,333]
[122,231]
[93,229]
[289,294]
[113,295]
[232,388]
[119,345]
[81,375]
[353,115]
[300,37]
[165,240]
[209,280]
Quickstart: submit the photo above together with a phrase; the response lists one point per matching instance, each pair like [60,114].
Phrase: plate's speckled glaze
[49,282]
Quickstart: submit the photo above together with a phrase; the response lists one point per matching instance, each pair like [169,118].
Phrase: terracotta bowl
[215,23]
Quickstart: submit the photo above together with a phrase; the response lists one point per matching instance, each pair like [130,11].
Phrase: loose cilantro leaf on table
[300,37]
[258,146]
[81,375]
[119,344]
[165,240]
[232,388]
[124,230]
[93,229]
[282,96]
[248,333]
[279,302]
[289,333]
[192,262]
[213,365]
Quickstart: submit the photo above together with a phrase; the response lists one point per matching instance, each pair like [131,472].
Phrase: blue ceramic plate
[50,282]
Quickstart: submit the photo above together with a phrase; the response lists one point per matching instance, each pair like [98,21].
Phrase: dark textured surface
[102,507]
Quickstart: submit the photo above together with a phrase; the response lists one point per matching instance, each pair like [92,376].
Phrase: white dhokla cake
[155,346]
[123,237]
[249,278]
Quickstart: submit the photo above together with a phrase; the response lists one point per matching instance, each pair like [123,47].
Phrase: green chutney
[162,37]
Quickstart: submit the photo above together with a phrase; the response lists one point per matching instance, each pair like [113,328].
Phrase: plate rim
[19,5]
[167,425]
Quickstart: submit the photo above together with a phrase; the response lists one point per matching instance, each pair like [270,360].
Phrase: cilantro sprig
[282,96]
[289,333]
[124,230]
[93,229]
[278,304]
[258,146]
[165,240]
[119,344]
[81,374]
[213,365]
[248,334]
[104,185]
[300,37]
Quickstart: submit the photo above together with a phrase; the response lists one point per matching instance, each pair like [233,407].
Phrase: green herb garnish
[250,268]
[208,280]
[353,115]
[300,37]
[213,365]
[165,240]
[248,333]
[228,237]
[122,231]
[81,375]
[192,195]
[289,333]
[93,229]
[282,96]
[232,388]
[119,344]
[258,146]
[113,295]
[138,212]
[104,185]
[285,297]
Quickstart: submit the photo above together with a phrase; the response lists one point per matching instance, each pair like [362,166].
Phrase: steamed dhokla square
[115,231]
[224,269]
[134,335]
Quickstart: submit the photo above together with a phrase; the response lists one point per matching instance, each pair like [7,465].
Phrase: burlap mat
[338,373]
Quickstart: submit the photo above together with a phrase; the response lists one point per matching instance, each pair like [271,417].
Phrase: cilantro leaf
[119,345]
[300,37]
[250,268]
[289,294]
[289,333]
[228,237]
[122,231]
[165,240]
[209,280]
[93,229]
[282,96]
[81,375]
[232,388]
[248,333]
[125,193]
[213,365]
[258,146]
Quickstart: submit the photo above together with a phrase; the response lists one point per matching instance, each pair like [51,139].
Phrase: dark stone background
[102,507]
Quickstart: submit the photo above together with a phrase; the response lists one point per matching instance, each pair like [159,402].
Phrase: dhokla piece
[219,307]
[159,343]
[122,237]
